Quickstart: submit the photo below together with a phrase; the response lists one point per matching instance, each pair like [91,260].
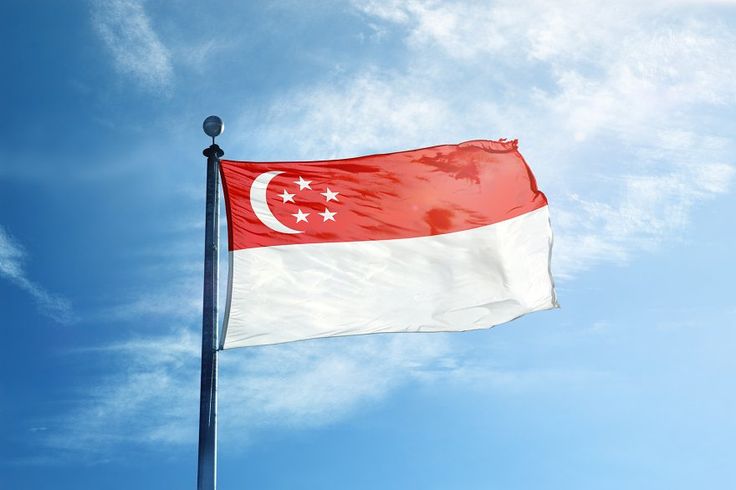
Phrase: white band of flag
[457,281]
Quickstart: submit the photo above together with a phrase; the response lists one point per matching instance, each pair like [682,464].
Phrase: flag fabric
[446,238]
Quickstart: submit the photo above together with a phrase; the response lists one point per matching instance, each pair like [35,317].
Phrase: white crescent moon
[260,206]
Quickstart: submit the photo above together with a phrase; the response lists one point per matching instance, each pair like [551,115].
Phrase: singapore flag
[446,238]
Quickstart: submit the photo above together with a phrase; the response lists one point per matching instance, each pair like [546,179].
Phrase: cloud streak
[12,257]
[136,49]
[152,399]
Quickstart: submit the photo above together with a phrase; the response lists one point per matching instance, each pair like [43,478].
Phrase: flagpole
[207,460]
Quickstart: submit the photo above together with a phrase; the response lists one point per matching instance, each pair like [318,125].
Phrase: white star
[327,215]
[287,197]
[329,195]
[301,216]
[303,183]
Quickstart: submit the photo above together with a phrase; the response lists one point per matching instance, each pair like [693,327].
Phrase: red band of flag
[417,193]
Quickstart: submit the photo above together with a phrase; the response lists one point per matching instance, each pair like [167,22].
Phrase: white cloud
[532,29]
[353,117]
[12,257]
[648,210]
[136,49]
[180,300]
[153,400]
[313,383]
[149,400]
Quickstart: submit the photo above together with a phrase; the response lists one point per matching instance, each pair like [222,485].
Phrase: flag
[446,238]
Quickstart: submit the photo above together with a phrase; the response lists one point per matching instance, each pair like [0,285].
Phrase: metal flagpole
[207,461]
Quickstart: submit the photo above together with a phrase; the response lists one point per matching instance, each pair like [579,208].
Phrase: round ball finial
[213,126]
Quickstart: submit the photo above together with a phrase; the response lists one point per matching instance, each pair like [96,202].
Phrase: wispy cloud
[153,400]
[12,258]
[136,48]
[650,209]
[177,302]
[354,115]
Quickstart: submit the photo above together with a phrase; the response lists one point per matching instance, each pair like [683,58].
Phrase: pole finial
[213,127]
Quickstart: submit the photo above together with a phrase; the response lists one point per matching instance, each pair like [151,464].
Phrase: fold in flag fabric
[447,238]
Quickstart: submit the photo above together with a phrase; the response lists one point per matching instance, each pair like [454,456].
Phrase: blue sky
[624,110]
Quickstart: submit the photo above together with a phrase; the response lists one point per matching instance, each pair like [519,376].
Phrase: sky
[626,113]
